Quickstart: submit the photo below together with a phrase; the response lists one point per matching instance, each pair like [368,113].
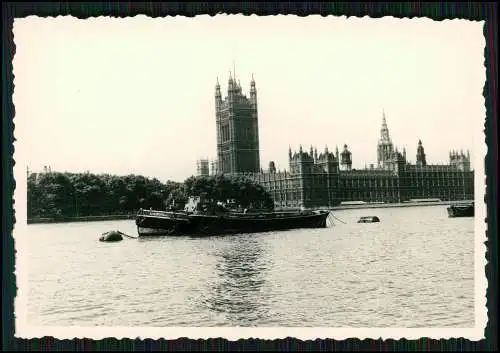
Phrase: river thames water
[413,269]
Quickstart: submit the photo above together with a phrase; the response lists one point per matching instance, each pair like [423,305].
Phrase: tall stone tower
[237,129]
[346,159]
[385,147]
[421,161]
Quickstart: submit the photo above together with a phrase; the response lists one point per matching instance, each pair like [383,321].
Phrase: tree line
[57,194]
[245,191]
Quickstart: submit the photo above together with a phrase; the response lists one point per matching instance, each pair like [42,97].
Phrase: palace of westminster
[325,179]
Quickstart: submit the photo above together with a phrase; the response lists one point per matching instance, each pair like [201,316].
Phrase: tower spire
[384,131]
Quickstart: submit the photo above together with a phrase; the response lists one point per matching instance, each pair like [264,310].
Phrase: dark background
[486,11]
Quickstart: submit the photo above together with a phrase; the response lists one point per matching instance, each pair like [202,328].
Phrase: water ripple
[413,269]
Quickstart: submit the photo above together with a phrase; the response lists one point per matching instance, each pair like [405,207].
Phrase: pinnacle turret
[346,159]
[421,161]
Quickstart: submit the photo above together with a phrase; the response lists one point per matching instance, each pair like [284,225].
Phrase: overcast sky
[136,95]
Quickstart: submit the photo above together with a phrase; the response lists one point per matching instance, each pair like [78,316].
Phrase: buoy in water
[113,235]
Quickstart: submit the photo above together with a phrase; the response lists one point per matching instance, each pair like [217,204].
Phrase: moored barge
[195,222]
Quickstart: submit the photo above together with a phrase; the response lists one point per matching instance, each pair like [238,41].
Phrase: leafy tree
[176,199]
[245,191]
[57,194]
[86,194]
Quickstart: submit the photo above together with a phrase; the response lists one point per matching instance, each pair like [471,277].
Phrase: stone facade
[321,183]
[327,179]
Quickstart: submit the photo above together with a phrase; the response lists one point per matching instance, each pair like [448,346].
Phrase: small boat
[461,210]
[369,219]
[197,220]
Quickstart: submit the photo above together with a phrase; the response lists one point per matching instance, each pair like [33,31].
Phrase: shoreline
[401,204]
[336,208]
[80,219]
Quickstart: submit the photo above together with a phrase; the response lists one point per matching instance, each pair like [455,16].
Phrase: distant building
[327,179]
[202,167]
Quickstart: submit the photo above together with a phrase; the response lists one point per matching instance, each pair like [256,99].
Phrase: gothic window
[225,132]
[244,132]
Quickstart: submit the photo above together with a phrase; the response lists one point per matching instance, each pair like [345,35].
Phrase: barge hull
[214,225]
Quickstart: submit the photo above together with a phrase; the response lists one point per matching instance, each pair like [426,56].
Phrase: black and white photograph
[249,177]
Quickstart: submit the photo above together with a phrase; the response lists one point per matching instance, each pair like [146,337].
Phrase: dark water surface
[413,269]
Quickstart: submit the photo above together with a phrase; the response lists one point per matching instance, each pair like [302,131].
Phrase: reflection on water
[241,271]
[415,268]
